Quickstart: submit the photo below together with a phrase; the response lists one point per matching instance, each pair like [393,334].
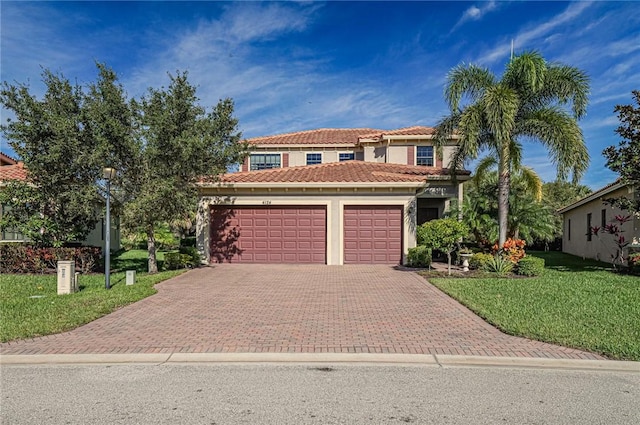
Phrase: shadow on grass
[132,260]
[562,262]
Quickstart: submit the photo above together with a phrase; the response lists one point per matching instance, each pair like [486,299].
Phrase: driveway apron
[293,309]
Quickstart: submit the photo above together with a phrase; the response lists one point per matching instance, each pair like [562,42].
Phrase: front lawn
[30,307]
[576,303]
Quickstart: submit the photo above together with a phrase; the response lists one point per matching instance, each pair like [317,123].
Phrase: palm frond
[562,136]
[567,84]
[470,80]
[445,128]
[532,182]
[484,166]
[471,124]
[526,73]
[515,154]
[500,107]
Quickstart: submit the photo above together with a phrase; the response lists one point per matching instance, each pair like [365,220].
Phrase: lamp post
[108,173]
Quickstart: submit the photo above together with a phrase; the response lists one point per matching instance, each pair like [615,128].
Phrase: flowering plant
[512,250]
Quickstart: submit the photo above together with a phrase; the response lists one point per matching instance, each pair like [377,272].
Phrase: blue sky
[294,66]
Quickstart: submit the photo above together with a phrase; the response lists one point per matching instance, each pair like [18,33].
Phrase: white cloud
[593,124]
[538,31]
[475,13]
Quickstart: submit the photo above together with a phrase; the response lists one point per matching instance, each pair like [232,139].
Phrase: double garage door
[298,234]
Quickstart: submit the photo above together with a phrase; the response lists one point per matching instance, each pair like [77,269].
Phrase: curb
[438,360]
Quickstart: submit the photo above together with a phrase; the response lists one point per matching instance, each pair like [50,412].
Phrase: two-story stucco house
[582,216]
[327,196]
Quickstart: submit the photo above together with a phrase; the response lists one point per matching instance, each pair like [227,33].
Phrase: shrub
[192,252]
[513,249]
[187,257]
[419,256]
[188,241]
[499,265]
[21,258]
[175,260]
[479,260]
[634,262]
[530,266]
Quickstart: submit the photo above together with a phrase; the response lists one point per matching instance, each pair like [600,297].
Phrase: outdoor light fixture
[108,174]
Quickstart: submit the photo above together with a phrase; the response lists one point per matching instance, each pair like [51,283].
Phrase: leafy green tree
[527,103]
[58,201]
[180,143]
[559,194]
[625,159]
[110,120]
[442,234]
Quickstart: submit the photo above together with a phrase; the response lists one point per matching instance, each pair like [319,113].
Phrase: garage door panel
[372,234]
[269,234]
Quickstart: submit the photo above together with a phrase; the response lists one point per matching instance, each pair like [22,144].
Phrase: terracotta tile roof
[322,136]
[416,130]
[13,172]
[7,160]
[339,172]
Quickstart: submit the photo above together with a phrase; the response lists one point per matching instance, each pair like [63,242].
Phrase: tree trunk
[151,249]
[449,262]
[503,196]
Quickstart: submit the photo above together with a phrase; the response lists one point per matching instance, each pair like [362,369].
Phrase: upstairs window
[424,155]
[314,158]
[264,161]
[346,157]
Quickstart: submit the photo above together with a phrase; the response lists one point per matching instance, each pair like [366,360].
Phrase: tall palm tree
[527,103]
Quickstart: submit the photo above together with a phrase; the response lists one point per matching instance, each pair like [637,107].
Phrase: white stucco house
[327,196]
[582,216]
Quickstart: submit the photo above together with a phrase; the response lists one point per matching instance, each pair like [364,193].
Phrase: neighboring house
[327,196]
[583,215]
[12,169]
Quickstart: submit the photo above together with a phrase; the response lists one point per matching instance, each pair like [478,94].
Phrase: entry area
[268,234]
[372,234]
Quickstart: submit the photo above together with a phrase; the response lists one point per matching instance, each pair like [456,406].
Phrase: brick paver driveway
[293,308]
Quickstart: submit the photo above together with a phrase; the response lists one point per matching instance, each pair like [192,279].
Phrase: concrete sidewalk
[293,309]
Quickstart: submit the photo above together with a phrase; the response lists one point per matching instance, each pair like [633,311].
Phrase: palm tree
[527,103]
[529,218]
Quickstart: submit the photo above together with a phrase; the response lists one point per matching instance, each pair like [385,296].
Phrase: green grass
[22,316]
[135,259]
[576,303]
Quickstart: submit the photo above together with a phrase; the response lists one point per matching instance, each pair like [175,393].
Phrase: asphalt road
[314,394]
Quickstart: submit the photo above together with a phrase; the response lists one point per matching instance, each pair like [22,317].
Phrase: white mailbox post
[131,277]
[66,277]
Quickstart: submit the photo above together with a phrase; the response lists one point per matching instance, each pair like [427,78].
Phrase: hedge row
[20,258]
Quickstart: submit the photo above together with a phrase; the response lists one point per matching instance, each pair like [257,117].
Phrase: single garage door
[372,234]
[269,234]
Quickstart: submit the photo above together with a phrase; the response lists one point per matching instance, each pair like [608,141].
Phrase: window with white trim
[314,158]
[424,155]
[264,161]
[346,156]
